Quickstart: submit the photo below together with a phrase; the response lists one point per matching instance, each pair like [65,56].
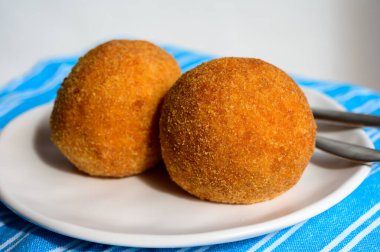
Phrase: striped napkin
[353,224]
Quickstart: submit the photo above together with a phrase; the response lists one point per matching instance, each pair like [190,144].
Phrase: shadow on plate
[47,151]
[158,179]
[329,161]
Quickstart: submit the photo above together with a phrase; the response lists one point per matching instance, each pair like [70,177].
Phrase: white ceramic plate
[149,210]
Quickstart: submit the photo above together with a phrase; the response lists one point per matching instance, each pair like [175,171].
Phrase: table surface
[326,40]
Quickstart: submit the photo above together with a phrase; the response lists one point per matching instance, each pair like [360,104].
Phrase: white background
[325,39]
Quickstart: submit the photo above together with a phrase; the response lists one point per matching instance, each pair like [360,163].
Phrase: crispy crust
[105,117]
[236,130]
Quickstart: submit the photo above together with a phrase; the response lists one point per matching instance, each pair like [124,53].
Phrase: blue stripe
[32,80]
[356,231]
[370,242]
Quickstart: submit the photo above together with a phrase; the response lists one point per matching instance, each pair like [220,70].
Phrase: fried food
[236,130]
[105,117]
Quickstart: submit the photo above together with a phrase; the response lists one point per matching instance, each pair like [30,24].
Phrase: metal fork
[342,149]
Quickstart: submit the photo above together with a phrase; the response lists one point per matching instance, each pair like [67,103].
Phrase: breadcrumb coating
[236,130]
[105,117]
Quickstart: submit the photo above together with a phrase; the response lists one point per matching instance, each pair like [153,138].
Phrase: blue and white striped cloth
[352,225]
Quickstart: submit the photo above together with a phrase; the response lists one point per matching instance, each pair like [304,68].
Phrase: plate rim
[192,239]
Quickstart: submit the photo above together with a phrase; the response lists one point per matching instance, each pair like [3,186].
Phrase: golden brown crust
[236,130]
[105,117]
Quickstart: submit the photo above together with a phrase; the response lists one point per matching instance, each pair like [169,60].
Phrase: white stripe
[361,235]
[202,249]
[375,137]
[187,57]
[284,237]
[17,82]
[131,249]
[13,238]
[353,93]
[61,72]
[326,87]
[183,249]
[65,247]
[11,101]
[192,65]
[375,168]
[188,61]
[374,108]
[8,104]
[371,132]
[81,245]
[351,228]
[262,241]
[368,106]
[320,86]
[109,249]
[127,249]
[21,239]
[6,221]
[374,171]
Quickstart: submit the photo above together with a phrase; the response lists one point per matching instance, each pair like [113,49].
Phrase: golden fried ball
[236,130]
[105,117]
